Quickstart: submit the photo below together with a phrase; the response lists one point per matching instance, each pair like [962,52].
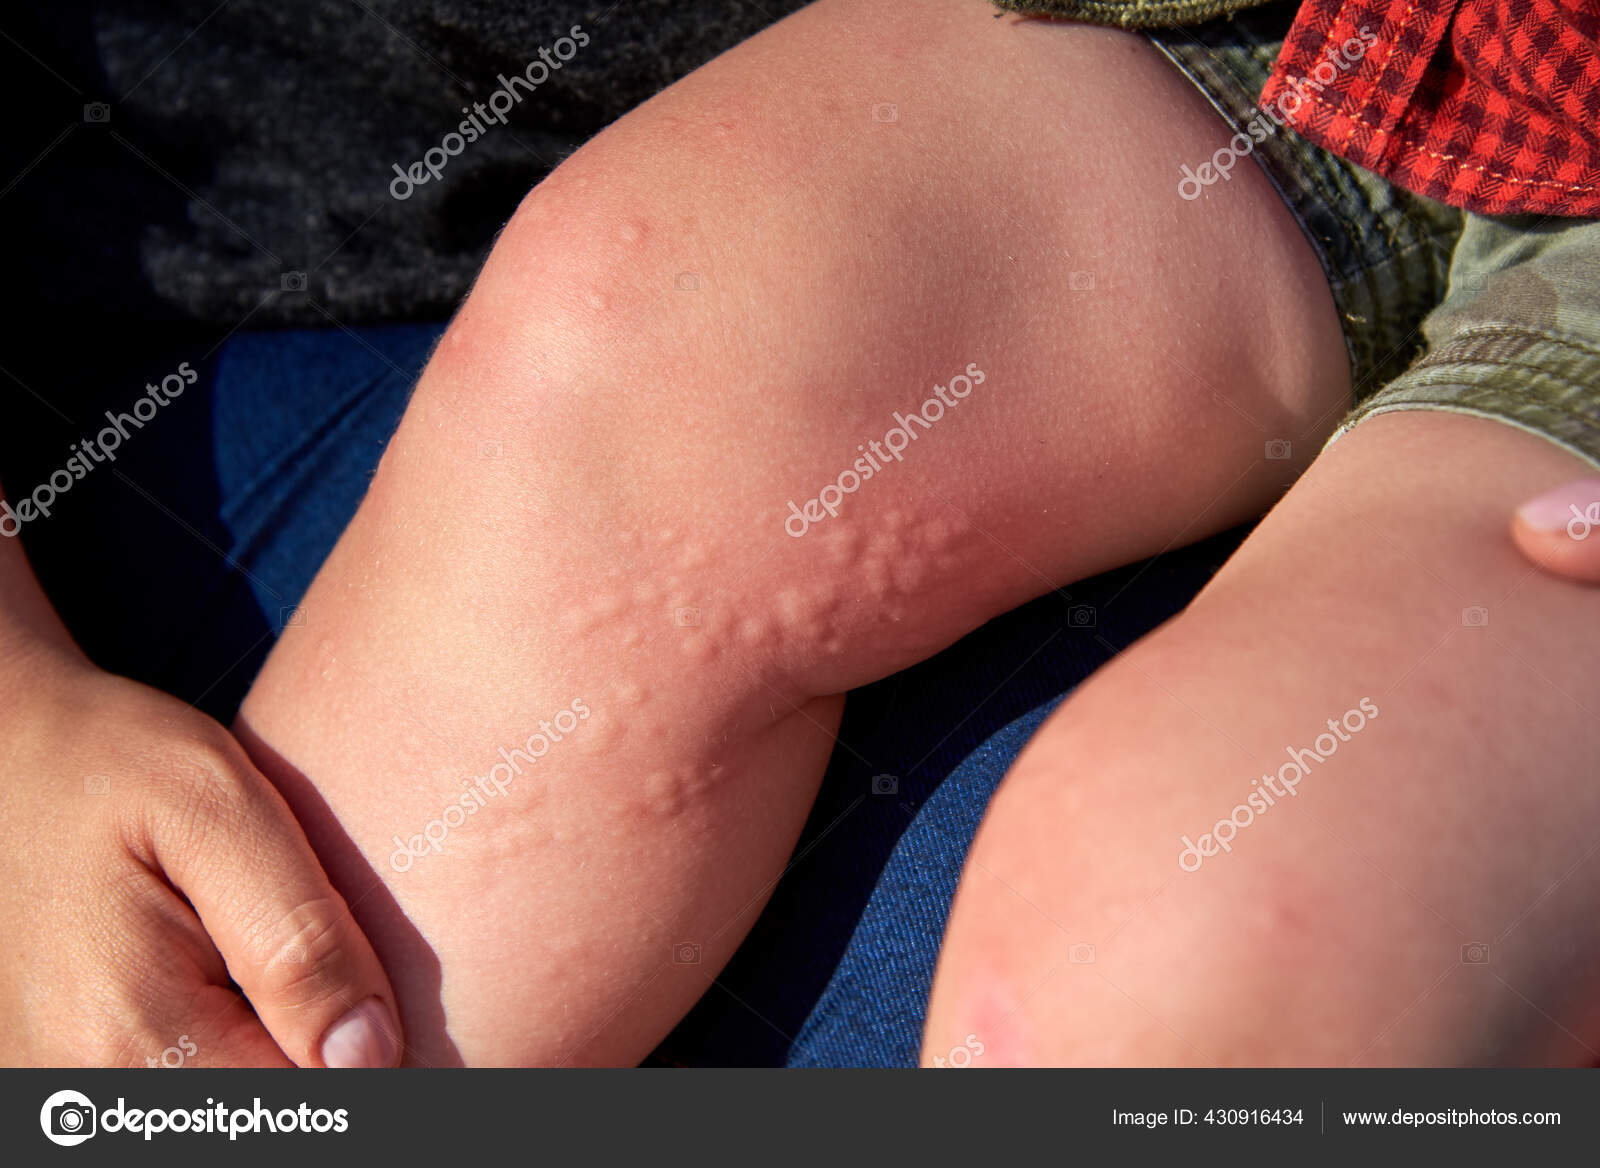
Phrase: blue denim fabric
[179,565]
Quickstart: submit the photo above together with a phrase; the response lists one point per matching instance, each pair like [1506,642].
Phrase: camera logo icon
[1080,281]
[886,111]
[1475,617]
[293,954]
[67,1118]
[885,785]
[1081,954]
[1081,616]
[1475,953]
[687,618]
[687,281]
[97,784]
[1279,449]
[291,617]
[97,113]
[293,282]
[686,953]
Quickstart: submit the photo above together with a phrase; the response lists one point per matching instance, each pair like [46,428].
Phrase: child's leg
[1425,895]
[703,315]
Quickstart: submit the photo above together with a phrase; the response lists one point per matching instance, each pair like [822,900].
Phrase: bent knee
[1087,930]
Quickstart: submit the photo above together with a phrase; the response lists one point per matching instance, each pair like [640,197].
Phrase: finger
[221,1031]
[1560,530]
[228,841]
[152,990]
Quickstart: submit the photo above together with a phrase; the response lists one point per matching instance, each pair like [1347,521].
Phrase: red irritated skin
[692,333]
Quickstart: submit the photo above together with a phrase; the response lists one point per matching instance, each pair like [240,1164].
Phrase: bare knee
[1087,931]
[1401,901]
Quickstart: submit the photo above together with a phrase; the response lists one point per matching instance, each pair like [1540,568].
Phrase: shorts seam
[1450,373]
[1487,331]
[1546,390]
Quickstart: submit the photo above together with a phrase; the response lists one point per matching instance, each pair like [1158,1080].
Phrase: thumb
[235,850]
[1560,530]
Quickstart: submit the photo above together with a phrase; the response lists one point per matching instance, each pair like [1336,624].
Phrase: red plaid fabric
[1491,105]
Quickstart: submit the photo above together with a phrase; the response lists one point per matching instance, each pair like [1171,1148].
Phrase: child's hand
[144,863]
[1560,530]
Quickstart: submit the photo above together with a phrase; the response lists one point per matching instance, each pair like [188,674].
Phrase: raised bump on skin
[662,793]
[629,693]
[909,572]
[876,577]
[794,609]
[699,783]
[608,605]
[699,647]
[603,732]
[842,546]
[577,619]
[942,530]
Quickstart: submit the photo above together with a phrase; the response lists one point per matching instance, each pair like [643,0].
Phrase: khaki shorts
[1517,338]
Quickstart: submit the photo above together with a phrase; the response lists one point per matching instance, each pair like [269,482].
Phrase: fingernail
[361,1038]
[1569,506]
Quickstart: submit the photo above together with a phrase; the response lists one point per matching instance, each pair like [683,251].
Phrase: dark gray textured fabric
[248,141]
